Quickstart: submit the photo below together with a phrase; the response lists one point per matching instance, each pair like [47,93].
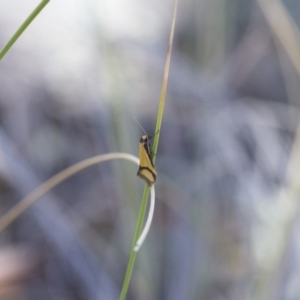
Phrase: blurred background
[225,223]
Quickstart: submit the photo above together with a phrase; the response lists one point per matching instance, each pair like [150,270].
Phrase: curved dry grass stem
[145,231]
[30,199]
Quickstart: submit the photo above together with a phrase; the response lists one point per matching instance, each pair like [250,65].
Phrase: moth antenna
[137,121]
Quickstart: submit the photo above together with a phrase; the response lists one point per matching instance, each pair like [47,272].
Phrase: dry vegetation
[225,223]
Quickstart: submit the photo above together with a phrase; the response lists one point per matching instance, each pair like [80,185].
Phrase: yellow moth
[146,170]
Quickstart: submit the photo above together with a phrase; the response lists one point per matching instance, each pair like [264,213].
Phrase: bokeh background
[225,223]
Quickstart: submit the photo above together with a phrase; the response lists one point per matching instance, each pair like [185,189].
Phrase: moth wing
[146,175]
[146,170]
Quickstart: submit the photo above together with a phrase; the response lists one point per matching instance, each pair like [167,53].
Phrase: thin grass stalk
[287,37]
[142,212]
[164,85]
[22,28]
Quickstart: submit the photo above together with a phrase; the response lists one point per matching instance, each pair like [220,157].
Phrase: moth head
[144,139]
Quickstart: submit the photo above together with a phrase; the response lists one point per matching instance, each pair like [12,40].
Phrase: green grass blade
[142,212]
[164,85]
[22,28]
[133,253]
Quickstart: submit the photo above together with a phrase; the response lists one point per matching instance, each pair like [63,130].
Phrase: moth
[146,170]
